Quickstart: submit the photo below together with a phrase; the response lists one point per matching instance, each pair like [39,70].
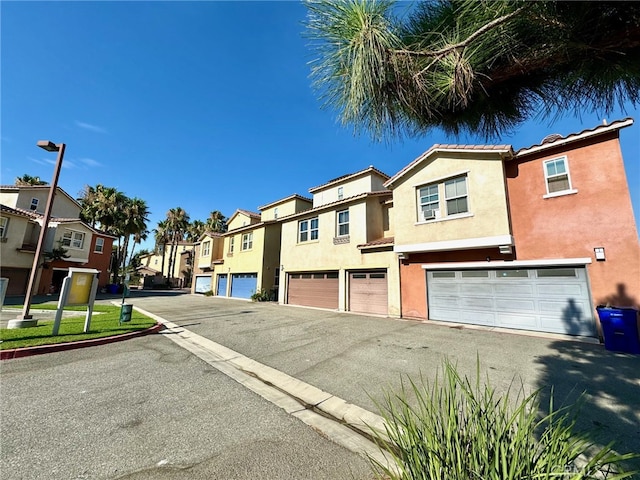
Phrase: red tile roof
[378,242]
[370,168]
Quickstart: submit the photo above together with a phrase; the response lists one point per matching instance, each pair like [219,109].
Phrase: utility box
[125,312]
[620,328]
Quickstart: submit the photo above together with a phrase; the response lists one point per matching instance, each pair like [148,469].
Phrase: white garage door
[203,283]
[317,289]
[368,292]
[553,300]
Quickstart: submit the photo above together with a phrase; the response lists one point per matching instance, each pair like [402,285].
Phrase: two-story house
[339,255]
[167,265]
[21,220]
[531,240]
[251,257]
[208,254]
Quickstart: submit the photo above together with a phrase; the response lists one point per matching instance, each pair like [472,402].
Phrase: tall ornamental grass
[453,429]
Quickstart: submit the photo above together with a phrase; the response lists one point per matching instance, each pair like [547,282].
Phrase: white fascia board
[460,244]
[545,262]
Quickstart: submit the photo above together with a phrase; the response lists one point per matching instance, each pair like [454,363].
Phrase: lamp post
[25,319]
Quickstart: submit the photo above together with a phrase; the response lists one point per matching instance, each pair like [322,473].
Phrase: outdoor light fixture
[505,249]
[599,251]
[25,319]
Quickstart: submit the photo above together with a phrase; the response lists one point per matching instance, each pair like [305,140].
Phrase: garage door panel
[550,300]
[515,320]
[221,290]
[514,290]
[314,290]
[368,292]
[203,284]
[476,289]
[515,305]
[243,285]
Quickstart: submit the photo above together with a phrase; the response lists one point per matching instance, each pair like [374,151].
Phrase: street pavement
[354,358]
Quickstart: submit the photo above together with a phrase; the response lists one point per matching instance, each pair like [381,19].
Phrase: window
[99,248]
[4,222]
[247,241]
[343,223]
[308,230]
[455,194]
[275,212]
[455,201]
[72,239]
[34,204]
[340,193]
[556,174]
[231,244]
[206,247]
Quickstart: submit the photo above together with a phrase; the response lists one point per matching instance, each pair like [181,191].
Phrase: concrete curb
[58,347]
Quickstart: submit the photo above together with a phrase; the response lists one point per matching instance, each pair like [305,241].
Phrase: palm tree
[134,226]
[469,65]
[195,230]
[161,237]
[177,223]
[26,180]
[216,222]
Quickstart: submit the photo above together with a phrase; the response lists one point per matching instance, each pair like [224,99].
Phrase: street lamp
[25,319]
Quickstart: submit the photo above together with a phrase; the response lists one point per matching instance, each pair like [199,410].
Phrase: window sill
[445,219]
[307,242]
[560,194]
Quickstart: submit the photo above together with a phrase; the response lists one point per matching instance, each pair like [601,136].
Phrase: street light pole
[25,319]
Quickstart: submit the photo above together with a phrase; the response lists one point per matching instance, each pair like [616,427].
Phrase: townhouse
[21,220]
[339,254]
[158,268]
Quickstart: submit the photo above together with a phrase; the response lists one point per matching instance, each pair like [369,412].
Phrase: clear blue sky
[200,105]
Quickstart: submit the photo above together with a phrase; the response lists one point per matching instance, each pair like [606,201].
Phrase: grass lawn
[103,324]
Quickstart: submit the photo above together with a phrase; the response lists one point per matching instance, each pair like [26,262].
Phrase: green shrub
[456,430]
[261,296]
[208,293]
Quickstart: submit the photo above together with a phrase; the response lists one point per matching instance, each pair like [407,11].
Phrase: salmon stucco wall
[598,214]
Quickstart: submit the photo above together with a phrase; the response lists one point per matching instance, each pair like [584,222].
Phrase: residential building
[500,238]
[208,254]
[21,220]
[339,255]
[251,256]
[158,269]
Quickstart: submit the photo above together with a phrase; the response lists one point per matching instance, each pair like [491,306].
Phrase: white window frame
[34,204]
[247,241]
[342,226]
[231,244]
[307,232]
[99,246]
[72,239]
[548,177]
[275,213]
[340,193]
[439,204]
[206,248]
[4,224]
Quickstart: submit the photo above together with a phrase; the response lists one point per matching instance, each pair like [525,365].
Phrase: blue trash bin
[620,328]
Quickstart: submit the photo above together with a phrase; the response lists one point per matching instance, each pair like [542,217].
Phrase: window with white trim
[72,239]
[343,223]
[308,229]
[206,248]
[556,175]
[34,204]
[231,244]
[275,212]
[247,241]
[340,193]
[99,247]
[440,200]
[4,223]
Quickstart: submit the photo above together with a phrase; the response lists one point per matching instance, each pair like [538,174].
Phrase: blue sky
[200,105]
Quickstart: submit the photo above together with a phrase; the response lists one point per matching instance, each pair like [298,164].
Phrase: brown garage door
[368,292]
[18,279]
[318,289]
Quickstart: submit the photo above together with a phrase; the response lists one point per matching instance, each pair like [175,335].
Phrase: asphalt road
[147,409]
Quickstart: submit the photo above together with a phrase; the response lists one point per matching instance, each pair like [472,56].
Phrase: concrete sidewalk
[316,355]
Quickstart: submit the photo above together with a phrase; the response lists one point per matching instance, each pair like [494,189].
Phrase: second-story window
[34,204]
[340,193]
[275,212]
[99,248]
[556,174]
[247,241]
[231,244]
[455,194]
[206,247]
[343,223]
[4,223]
[443,199]
[308,230]
[72,239]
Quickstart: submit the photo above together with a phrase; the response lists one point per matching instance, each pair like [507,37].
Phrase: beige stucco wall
[18,229]
[285,208]
[240,220]
[487,215]
[367,183]
[62,206]
[323,254]
[75,254]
